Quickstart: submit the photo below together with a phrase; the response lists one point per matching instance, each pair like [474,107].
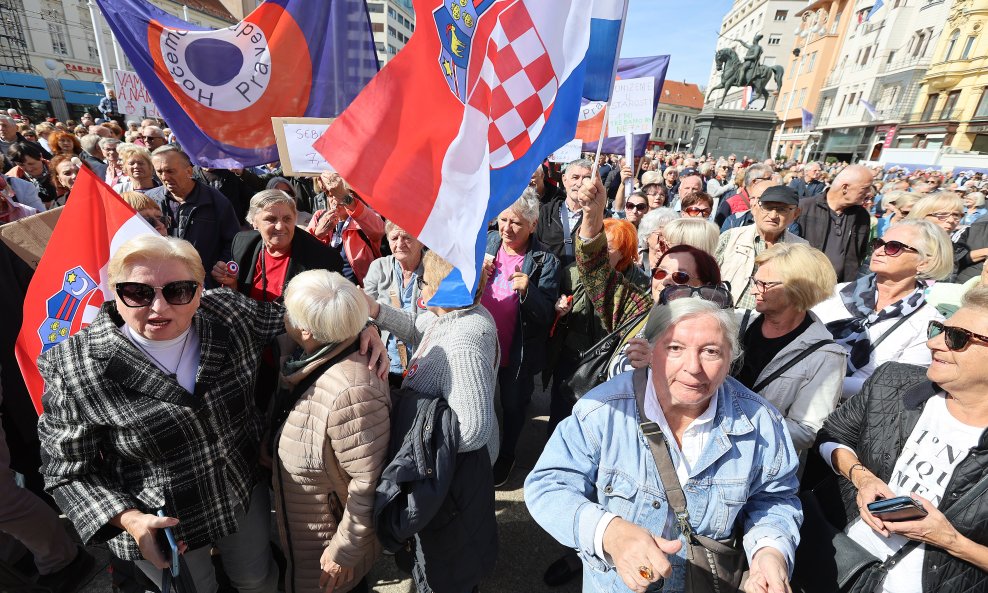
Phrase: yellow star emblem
[71,278]
[448,67]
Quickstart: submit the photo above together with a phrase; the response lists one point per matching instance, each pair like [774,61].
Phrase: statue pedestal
[721,132]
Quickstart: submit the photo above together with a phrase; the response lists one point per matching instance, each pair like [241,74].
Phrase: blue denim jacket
[598,461]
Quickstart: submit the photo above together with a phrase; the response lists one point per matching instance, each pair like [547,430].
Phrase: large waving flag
[70,283]
[592,112]
[448,134]
[808,125]
[219,89]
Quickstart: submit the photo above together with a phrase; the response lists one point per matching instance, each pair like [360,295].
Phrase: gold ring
[645,572]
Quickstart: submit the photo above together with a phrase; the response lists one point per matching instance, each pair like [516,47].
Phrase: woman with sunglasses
[946,210]
[906,421]
[789,280]
[150,409]
[883,315]
[635,208]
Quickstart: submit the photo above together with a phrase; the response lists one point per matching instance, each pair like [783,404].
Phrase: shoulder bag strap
[894,327]
[791,363]
[399,345]
[660,455]
[567,232]
[619,331]
[744,323]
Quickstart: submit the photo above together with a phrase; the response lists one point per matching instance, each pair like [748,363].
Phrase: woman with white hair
[269,256]
[114,170]
[138,172]
[882,316]
[695,232]
[654,459]
[651,238]
[520,293]
[974,204]
[332,427]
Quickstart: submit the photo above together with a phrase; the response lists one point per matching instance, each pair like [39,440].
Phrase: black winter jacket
[974,237]
[876,423]
[549,230]
[815,221]
[446,498]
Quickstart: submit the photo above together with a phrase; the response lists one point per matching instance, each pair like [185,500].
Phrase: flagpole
[600,142]
[617,59]
[98,34]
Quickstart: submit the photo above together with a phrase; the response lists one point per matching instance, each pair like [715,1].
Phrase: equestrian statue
[747,72]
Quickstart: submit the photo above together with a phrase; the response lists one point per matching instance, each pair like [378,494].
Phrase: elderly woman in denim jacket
[596,488]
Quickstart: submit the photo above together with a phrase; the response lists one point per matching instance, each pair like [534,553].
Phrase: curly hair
[57,136]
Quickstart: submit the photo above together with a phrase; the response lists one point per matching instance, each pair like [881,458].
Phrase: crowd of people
[721,339]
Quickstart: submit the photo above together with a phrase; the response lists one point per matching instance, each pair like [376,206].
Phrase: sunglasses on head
[956,339]
[638,207]
[892,248]
[137,294]
[661,274]
[715,293]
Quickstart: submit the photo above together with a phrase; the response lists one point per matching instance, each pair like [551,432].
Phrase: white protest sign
[133,98]
[630,111]
[295,137]
[567,153]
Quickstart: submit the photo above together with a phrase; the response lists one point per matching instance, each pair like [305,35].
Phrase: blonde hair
[807,276]
[139,201]
[264,199]
[977,297]
[941,201]
[934,247]
[696,232]
[325,304]
[902,199]
[150,248]
[127,150]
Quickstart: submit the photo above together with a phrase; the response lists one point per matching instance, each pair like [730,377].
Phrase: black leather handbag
[591,370]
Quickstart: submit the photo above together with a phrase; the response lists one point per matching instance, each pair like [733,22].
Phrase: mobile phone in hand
[171,549]
[900,508]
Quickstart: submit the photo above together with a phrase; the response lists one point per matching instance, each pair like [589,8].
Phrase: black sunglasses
[715,293]
[956,338]
[638,207]
[137,294]
[677,277]
[892,248]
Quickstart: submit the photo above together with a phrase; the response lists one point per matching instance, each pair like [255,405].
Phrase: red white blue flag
[69,285]
[450,131]
[218,89]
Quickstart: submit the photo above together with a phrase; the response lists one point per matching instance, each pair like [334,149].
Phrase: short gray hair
[325,304]
[662,317]
[90,142]
[934,247]
[581,163]
[7,120]
[263,200]
[274,181]
[756,172]
[653,221]
[107,142]
[164,151]
[978,197]
[527,206]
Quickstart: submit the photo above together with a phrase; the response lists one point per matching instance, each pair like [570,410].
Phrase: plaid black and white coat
[118,433]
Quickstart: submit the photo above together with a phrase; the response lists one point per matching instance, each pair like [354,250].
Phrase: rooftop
[213,8]
[683,94]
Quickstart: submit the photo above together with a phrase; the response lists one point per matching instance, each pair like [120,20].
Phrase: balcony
[907,63]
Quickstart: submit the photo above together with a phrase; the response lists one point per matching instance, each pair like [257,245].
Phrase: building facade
[813,55]
[393,22]
[49,59]
[951,107]
[775,21]
[679,103]
[871,91]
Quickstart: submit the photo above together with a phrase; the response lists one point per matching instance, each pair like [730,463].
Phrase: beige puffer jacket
[330,454]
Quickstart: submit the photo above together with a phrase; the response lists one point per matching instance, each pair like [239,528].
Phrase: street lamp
[678,140]
[812,23]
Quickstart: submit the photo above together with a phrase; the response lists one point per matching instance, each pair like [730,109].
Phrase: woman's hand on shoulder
[374,348]
[635,550]
[769,572]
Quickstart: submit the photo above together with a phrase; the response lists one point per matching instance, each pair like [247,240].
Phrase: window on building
[931,104]
[968,46]
[918,43]
[392,32]
[785,99]
[380,46]
[781,15]
[774,39]
[950,44]
[59,44]
[376,7]
[377,27]
[982,110]
[802,97]
[867,54]
[809,67]
[948,107]
[890,57]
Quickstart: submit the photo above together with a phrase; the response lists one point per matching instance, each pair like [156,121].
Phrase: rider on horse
[751,59]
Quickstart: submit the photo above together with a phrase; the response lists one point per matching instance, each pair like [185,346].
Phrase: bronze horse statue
[728,62]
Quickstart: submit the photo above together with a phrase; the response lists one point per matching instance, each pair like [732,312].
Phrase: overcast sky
[686,30]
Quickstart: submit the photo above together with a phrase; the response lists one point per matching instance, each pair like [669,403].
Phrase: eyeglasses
[764,285]
[892,248]
[697,211]
[150,138]
[945,216]
[714,293]
[661,274]
[956,339]
[776,207]
[638,207]
[136,294]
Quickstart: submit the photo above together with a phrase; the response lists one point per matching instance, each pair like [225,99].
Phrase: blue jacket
[598,461]
[537,312]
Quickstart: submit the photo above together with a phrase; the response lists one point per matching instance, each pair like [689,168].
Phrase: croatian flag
[808,124]
[218,89]
[877,6]
[449,133]
[592,112]
[70,283]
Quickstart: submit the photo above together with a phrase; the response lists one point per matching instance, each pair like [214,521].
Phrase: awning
[82,92]
[17,85]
